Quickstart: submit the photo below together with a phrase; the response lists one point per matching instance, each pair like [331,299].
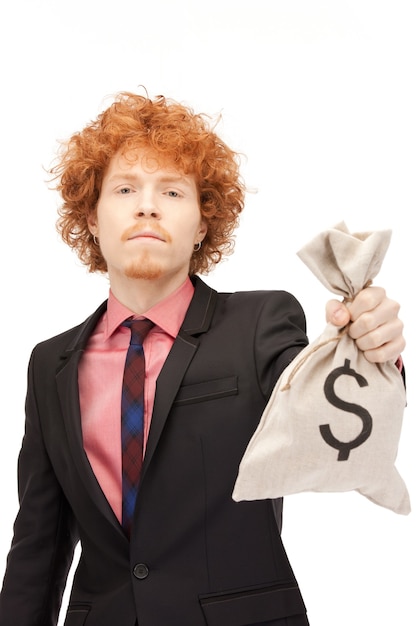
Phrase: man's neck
[139,295]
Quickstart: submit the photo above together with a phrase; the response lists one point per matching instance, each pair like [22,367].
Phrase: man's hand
[375,325]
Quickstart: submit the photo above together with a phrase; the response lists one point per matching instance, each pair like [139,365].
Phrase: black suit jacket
[196,557]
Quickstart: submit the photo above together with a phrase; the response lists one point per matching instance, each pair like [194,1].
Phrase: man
[151,196]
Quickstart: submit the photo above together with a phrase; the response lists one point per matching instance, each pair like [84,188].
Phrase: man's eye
[173,194]
[125,190]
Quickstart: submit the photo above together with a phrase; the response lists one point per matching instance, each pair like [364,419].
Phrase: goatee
[144,268]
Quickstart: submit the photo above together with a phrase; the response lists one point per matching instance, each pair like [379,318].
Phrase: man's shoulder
[75,336]
[250,295]
[264,297]
[249,304]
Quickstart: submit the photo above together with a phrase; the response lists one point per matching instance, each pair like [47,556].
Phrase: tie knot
[139,329]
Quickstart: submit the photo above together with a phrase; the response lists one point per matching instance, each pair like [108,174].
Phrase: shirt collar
[167,314]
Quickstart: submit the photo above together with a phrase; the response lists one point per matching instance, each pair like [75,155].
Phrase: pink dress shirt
[100,376]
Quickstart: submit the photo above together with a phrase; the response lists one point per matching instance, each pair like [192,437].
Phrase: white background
[321,98]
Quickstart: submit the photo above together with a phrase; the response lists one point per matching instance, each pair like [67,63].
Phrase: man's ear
[92,223]
[203,229]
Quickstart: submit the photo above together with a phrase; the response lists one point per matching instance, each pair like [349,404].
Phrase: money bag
[333,421]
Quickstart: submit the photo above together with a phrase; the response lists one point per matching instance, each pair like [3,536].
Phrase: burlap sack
[333,421]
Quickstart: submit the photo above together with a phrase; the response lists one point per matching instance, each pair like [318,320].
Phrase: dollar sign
[345,447]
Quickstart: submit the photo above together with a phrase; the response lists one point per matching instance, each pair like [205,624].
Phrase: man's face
[147,220]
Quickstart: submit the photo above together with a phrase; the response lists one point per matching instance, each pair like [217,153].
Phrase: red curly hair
[177,137]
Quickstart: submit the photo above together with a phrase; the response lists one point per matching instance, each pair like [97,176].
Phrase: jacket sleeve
[44,537]
[280,335]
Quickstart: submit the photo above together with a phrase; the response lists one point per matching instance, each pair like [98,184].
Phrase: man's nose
[147,206]
[148,213]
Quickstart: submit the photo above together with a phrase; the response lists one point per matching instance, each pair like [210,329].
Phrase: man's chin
[144,271]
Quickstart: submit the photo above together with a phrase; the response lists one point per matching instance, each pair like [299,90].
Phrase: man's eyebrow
[175,178]
[165,178]
[122,176]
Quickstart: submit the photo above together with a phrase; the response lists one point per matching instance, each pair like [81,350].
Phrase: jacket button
[140,571]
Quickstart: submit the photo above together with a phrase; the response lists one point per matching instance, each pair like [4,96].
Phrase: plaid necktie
[132,417]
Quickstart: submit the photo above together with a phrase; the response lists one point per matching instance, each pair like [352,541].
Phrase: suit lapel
[196,322]
[68,392]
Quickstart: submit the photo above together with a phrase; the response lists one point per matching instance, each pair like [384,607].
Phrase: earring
[197,246]
[95,240]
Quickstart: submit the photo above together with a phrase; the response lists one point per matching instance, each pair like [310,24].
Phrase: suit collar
[197,319]
[84,331]
[201,309]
